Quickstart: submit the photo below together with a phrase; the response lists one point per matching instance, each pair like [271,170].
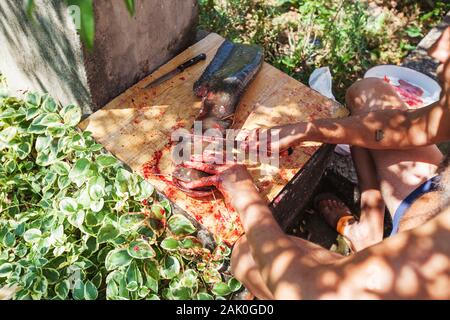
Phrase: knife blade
[176,71]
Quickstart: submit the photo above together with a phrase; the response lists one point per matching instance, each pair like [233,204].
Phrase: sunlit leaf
[90,291]
[117,258]
[68,205]
[170,244]
[131,221]
[80,169]
[71,115]
[87,31]
[107,232]
[106,161]
[221,289]
[32,235]
[204,296]
[170,267]
[180,225]
[141,250]
[131,7]
[234,285]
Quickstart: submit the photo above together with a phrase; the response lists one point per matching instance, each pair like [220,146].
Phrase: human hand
[273,140]
[227,178]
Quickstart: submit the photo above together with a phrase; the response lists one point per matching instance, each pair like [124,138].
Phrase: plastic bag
[322,81]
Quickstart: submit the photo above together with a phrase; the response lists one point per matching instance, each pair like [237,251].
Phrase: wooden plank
[137,128]
[291,201]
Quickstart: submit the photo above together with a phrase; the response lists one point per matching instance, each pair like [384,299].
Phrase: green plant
[301,35]
[87,19]
[75,224]
[3,83]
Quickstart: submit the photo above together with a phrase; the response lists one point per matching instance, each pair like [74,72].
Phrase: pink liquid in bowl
[413,96]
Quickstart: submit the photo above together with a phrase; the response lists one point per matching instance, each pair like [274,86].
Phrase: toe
[335,204]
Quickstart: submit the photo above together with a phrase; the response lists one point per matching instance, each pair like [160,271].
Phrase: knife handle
[192,62]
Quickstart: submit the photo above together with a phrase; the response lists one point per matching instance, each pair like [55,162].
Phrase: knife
[176,71]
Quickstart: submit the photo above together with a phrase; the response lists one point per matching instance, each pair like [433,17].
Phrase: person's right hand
[276,139]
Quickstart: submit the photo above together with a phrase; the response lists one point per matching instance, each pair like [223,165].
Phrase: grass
[348,36]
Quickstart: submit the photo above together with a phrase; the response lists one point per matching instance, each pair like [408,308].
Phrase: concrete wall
[127,49]
[46,54]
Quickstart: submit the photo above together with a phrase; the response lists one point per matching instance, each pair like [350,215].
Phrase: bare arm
[272,250]
[384,129]
[413,264]
[395,128]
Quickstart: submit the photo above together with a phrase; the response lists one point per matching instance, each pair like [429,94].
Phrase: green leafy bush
[75,224]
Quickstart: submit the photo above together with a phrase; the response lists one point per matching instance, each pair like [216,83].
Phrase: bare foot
[340,218]
[332,209]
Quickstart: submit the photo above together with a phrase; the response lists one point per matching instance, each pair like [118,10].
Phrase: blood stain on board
[180,124]
[170,191]
[199,218]
[218,216]
[151,168]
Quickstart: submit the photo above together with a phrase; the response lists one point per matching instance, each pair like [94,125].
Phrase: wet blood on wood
[218,216]
[151,168]
[170,191]
[199,218]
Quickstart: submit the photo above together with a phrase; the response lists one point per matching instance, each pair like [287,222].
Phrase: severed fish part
[221,87]
[224,81]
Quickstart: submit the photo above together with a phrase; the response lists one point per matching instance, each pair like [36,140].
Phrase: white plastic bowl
[432,89]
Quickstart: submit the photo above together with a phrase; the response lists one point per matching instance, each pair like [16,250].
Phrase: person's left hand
[225,177]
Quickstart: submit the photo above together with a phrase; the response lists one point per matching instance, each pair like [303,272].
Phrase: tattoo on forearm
[379,135]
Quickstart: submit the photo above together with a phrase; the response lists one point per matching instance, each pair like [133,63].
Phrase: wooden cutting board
[136,127]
